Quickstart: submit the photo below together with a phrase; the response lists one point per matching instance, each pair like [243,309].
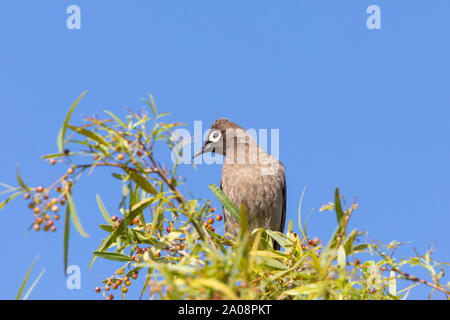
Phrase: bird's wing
[283,212]
[223,210]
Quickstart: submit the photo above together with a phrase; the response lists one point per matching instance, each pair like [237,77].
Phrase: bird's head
[222,133]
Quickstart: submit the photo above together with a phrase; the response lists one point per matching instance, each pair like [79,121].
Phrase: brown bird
[250,176]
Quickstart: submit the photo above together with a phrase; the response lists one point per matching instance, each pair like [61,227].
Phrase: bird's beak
[207,147]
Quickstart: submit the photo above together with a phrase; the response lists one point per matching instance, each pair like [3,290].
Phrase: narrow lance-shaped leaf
[24,282]
[227,204]
[2,204]
[140,181]
[338,206]
[62,132]
[20,181]
[119,230]
[66,238]
[103,210]
[74,217]
[112,256]
[90,134]
[25,297]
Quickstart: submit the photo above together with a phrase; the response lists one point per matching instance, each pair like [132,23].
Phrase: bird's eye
[215,136]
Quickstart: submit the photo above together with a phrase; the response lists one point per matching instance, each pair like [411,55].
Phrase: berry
[210,220]
[62,202]
[128,283]
[219,218]
[27,196]
[55,208]
[56,216]
[52,161]
[53,229]
[120,157]
[50,223]
[70,171]
[168,229]
[212,229]
[40,189]
[357,262]
[36,227]
[134,275]
[115,286]
[96,157]
[124,289]
[98,290]
[37,210]
[114,218]
[110,297]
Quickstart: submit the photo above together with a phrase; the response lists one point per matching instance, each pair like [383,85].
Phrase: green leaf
[341,258]
[338,206]
[300,214]
[116,118]
[140,181]
[392,284]
[66,238]
[2,204]
[62,132]
[112,256]
[104,212]
[135,210]
[25,297]
[227,204]
[147,280]
[90,134]
[151,104]
[74,216]
[20,181]
[280,238]
[215,285]
[24,282]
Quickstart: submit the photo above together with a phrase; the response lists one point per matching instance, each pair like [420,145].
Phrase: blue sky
[365,110]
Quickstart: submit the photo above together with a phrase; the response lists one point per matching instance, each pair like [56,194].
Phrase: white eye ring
[215,136]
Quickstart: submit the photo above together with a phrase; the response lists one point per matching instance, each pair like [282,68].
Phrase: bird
[250,176]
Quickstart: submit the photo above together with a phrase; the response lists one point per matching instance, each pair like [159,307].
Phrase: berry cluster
[208,223]
[46,208]
[116,281]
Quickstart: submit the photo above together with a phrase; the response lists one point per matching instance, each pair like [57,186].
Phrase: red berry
[212,229]
[114,218]
[168,229]
[210,220]
[98,290]
[40,189]
[219,218]
[110,297]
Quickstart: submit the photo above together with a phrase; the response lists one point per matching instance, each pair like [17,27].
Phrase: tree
[171,240]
